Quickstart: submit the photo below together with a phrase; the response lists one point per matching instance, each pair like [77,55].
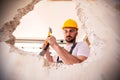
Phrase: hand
[52,40]
[44,44]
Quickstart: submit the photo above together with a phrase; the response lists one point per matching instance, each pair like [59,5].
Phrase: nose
[67,33]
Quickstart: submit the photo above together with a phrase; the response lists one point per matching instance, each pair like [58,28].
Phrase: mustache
[68,36]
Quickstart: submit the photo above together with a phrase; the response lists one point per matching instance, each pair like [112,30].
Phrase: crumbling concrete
[8,27]
[98,18]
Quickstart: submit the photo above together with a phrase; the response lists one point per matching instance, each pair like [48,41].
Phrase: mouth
[68,38]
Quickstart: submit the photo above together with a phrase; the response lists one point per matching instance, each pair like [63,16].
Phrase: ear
[76,33]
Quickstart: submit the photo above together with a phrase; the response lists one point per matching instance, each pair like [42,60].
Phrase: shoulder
[83,48]
[82,43]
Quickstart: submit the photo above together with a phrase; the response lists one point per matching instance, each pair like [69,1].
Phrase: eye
[72,30]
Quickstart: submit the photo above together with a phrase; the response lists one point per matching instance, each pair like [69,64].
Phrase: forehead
[69,28]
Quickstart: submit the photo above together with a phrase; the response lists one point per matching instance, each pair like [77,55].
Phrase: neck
[68,43]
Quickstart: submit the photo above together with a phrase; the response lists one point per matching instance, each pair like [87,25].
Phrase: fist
[51,40]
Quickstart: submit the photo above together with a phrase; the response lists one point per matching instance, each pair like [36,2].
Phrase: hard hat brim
[69,27]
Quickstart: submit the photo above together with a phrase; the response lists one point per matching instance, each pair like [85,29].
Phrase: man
[73,52]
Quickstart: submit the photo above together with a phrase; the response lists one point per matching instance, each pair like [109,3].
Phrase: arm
[64,54]
[48,56]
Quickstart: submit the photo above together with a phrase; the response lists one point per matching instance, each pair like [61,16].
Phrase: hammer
[42,53]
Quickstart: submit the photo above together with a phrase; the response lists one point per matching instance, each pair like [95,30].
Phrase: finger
[44,44]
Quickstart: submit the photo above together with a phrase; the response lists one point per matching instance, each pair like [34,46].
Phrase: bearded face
[70,34]
[70,39]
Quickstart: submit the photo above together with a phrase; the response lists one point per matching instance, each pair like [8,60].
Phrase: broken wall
[100,23]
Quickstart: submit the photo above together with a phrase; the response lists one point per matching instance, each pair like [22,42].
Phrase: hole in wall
[75,68]
[33,27]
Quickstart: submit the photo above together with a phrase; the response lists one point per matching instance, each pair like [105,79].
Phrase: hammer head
[42,53]
[50,31]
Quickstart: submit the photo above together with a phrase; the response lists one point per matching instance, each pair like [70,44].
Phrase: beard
[70,39]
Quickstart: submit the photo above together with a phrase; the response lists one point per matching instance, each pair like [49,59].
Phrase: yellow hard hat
[70,23]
